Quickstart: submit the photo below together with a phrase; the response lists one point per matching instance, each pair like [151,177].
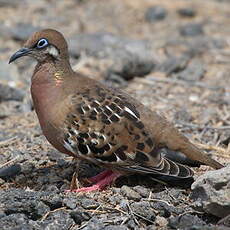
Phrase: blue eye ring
[42,43]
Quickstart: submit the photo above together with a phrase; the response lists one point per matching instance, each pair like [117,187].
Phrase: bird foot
[102,180]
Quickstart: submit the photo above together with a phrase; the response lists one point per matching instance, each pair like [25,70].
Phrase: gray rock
[194,72]
[185,222]
[94,224]
[70,202]
[10,171]
[187,12]
[143,209]
[125,57]
[211,192]
[22,31]
[164,209]
[144,192]
[174,64]
[12,221]
[182,115]
[155,13]
[79,216]
[19,201]
[9,93]
[191,29]
[89,204]
[130,193]
[59,220]
[11,3]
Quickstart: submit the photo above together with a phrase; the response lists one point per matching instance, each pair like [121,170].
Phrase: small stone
[10,171]
[70,202]
[187,12]
[27,168]
[89,204]
[161,221]
[144,209]
[116,199]
[183,115]
[79,216]
[144,192]
[54,201]
[130,193]
[41,209]
[94,224]
[174,64]
[156,13]
[194,72]
[192,29]
[185,222]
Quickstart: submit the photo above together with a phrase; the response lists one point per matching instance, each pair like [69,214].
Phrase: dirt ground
[189,83]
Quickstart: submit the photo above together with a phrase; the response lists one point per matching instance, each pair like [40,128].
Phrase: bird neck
[52,72]
[47,87]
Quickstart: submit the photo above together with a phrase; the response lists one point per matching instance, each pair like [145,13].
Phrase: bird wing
[106,129]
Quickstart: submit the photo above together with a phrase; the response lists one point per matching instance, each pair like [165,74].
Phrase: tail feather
[166,168]
[173,181]
[196,154]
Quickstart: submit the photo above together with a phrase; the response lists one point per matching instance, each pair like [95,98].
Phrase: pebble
[174,64]
[194,71]
[144,209]
[187,12]
[79,216]
[185,221]
[192,29]
[89,204]
[155,13]
[9,172]
[130,193]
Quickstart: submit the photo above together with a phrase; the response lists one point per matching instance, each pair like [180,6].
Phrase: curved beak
[19,53]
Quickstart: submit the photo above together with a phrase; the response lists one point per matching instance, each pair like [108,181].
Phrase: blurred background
[172,55]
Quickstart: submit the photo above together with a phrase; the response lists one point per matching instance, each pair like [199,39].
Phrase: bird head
[42,45]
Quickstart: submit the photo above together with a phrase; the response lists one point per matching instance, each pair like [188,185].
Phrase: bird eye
[42,43]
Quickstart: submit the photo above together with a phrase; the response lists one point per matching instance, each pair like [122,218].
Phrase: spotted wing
[106,129]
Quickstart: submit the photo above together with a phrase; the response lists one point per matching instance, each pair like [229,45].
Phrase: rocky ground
[173,56]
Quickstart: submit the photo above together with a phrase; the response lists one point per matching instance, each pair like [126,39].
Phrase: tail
[175,174]
[194,153]
[167,171]
[173,181]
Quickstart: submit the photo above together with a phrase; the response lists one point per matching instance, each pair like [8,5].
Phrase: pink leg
[107,180]
[100,176]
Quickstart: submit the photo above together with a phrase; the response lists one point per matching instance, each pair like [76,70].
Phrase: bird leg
[100,176]
[102,180]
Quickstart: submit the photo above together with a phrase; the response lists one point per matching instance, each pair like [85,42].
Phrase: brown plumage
[88,120]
